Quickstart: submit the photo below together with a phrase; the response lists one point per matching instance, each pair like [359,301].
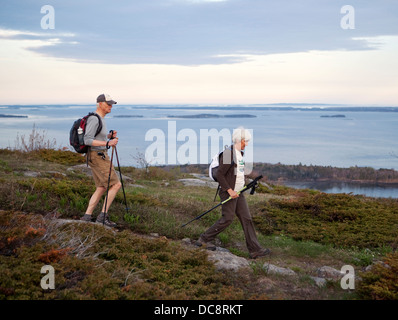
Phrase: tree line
[300,172]
[275,172]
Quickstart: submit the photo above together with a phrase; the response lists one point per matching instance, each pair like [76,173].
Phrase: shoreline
[364,183]
[331,180]
[280,173]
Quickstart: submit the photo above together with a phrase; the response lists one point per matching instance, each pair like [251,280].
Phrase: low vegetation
[43,195]
[95,263]
[339,219]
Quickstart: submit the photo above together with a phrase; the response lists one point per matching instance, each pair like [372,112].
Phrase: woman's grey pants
[239,207]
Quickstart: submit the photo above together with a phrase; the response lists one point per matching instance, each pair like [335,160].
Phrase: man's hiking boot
[87,218]
[208,245]
[107,222]
[259,254]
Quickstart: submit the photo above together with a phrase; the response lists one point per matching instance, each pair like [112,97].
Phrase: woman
[231,177]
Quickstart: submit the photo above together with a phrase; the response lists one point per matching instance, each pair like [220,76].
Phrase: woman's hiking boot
[106,221]
[202,243]
[259,254]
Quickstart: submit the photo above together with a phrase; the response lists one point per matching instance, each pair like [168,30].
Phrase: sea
[324,135]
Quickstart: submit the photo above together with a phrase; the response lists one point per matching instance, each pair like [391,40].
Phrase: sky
[199,51]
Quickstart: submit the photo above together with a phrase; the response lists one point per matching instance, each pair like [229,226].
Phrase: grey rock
[32,174]
[56,173]
[320,282]
[82,168]
[225,260]
[186,241]
[273,269]
[329,273]
[192,182]
[380,263]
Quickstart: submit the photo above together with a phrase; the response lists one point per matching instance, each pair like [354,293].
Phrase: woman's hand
[233,194]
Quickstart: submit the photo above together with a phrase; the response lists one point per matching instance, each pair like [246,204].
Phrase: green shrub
[60,156]
[381,282]
[338,219]
[93,263]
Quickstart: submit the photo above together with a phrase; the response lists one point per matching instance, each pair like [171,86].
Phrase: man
[99,161]
[231,177]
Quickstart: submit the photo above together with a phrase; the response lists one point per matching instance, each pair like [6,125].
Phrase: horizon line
[220,105]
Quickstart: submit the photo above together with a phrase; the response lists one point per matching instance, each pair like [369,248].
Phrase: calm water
[289,137]
[370,190]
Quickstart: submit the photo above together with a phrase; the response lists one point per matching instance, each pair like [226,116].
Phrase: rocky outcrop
[223,259]
[199,180]
[329,273]
[273,269]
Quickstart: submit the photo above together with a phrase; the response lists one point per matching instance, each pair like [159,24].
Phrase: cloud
[185,33]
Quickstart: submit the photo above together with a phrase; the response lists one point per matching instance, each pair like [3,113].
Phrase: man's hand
[113,142]
[233,194]
[112,134]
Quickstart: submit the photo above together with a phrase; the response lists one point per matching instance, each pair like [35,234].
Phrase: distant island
[334,116]
[239,107]
[11,116]
[212,116]
[128,116]
[276,107]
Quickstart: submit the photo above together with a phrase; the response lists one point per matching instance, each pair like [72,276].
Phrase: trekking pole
[121,179]
[107,190]
[120,173]
[252,185]
[201,215]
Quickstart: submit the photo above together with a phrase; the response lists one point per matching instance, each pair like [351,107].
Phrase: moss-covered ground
[42,199]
